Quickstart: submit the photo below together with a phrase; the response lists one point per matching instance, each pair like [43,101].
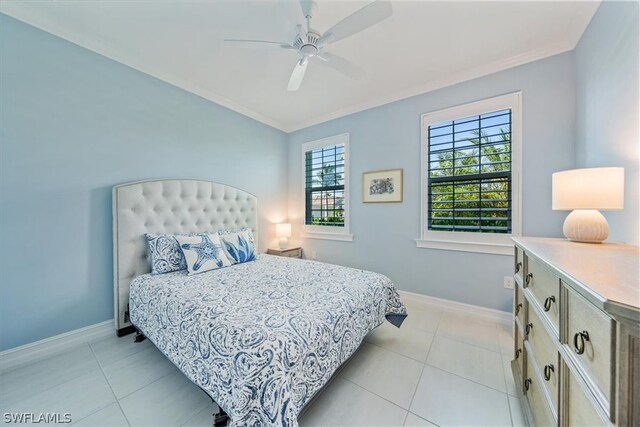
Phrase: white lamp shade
[593,188]
[283,230]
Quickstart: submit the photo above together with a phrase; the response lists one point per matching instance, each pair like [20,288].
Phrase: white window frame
[491,243]
[319,231]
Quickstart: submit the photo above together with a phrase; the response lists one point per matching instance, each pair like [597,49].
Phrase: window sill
[467,246]
[328,236]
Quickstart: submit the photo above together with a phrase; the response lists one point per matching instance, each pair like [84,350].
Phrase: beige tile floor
[441,368]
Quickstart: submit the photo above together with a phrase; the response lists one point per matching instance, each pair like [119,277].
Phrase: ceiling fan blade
[360,20]
[342,65]
[259,44]
[297,75]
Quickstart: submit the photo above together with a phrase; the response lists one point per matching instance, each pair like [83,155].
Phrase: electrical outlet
[508,282]
[314,255]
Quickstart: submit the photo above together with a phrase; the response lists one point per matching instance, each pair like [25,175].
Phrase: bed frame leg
[139,336]
[220,418]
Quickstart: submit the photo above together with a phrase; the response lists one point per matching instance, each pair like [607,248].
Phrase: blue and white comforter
[263,337]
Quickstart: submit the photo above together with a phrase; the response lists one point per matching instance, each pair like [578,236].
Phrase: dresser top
[608,271]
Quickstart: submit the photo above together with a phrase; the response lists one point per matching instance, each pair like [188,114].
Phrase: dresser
[576,355]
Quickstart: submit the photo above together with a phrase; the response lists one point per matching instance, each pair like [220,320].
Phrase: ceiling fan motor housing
[308,47]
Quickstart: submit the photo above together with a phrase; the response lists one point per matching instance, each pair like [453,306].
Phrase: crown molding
[31,17]
[473,73]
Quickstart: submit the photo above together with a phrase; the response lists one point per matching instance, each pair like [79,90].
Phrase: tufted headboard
[168,206]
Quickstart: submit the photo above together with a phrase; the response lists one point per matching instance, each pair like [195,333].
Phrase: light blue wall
[607,105]
[72,125]
[388,137]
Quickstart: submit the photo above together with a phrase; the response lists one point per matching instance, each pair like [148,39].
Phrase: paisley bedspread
[262,337]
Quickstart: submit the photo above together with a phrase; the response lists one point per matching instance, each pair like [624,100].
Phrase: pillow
[203,252]
[238,245]
[164,253]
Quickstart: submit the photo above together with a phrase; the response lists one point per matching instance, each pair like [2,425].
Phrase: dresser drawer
[538,403]
[294,253]
[545,287]
[518,355]
[545,355]
[518,266]
[589,340]
[581,411]
[520,303]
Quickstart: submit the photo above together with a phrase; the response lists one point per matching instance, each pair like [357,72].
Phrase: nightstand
[289,252]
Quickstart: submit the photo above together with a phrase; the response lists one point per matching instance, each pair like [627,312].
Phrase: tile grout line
[395,352]
[374,393]
[435,334]
[74,348]
[404,422]
[106,365]
[465,378]
[424,364]
[475,345]
[147,385]
[467,343]
[110,388]
[495,324]
[134,354]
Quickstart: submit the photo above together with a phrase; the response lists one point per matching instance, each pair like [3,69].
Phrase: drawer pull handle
[528,278]
[578,341]
[547,372]
[518,267]
[518,307]
[518,351]
[527,384]
[528,329]
[548,301]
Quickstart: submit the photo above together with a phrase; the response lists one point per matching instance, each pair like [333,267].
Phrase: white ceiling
[423,46]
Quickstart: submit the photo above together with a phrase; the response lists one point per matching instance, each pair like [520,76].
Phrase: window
[325,167]
[470,176]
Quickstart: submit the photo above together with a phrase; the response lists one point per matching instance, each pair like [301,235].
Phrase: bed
[261,337]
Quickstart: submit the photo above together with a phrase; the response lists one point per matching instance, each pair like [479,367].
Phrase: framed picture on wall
[382,186]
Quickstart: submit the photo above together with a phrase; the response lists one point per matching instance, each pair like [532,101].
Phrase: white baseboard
[14,357]
[503,317]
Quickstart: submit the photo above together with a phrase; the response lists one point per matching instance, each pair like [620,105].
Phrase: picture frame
[383,186]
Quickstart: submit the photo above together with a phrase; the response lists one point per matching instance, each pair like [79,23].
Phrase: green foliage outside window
[481,203]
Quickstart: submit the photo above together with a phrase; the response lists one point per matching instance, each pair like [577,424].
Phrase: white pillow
[203,252]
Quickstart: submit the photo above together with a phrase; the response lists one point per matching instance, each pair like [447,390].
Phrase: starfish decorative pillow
[203,252]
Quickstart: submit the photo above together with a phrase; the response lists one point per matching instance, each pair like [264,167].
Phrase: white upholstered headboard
[168,206]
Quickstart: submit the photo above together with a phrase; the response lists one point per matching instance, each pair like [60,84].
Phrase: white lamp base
[283,243]
[586,225]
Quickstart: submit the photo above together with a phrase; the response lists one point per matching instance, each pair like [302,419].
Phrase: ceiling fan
[310,44]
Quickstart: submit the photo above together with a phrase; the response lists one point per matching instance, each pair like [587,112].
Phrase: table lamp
[283,232]
[585,192]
